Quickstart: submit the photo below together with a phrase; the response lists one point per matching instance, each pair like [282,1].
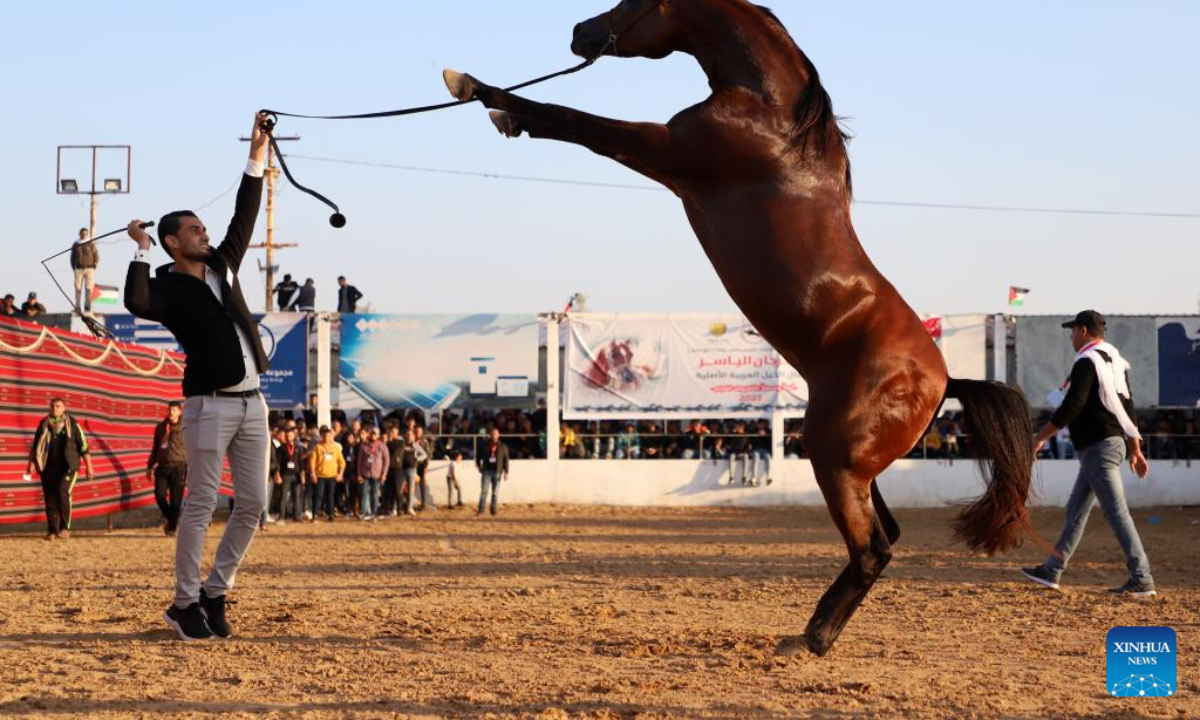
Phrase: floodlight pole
[93,192]
[94,199]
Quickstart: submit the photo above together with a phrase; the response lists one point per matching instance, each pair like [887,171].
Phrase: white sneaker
[308,515]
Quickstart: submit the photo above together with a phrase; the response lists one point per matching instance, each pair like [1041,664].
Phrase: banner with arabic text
[675,367]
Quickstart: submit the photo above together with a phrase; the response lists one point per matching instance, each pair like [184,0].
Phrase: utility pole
[270,245]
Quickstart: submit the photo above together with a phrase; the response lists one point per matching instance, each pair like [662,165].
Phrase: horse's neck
[755,57]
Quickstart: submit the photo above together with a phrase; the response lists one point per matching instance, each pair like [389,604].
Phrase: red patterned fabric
[116,392]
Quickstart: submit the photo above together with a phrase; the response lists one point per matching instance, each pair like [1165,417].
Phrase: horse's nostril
[578,30]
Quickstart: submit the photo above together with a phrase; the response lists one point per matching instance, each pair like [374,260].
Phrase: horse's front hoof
[792,646]
[460,85]
[505,123]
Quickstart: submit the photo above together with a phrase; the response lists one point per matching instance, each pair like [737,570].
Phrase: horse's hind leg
[890,526]
[849,499]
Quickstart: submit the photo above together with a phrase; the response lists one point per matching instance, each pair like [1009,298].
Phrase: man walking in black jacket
[167,466]
[198,298]
[59,444]
[1098,409]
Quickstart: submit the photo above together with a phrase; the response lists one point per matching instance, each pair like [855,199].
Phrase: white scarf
[1113,387]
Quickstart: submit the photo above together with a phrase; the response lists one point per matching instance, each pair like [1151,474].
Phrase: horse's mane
[815,124]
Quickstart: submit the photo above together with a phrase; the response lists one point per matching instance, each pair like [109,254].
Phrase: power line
[214,200]
[653,188]
[486,175]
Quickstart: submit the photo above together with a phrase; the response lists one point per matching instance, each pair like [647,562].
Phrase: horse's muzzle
[588,42]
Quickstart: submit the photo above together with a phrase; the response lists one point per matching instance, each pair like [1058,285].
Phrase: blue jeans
[369,504]
[1100,480]
[408,476]
[491,479]
[760,458]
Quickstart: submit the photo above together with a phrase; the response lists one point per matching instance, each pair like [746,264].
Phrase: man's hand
[1137,463]
[149,474]
[139,234]
[258,138]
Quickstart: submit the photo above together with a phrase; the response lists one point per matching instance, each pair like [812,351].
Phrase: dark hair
[325,429]
[57,400]
[341,277]
[814,120]
[83,230]
[174,404]
[169,225]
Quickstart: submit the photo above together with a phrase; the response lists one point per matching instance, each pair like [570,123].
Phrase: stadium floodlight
[112,185]
[69,186]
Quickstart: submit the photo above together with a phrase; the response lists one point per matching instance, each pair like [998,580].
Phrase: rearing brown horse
[762,170]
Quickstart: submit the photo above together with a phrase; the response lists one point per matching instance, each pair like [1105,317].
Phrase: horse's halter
[614,36]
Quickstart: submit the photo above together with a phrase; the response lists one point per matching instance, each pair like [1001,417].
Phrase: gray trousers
[213,428]
[1100,480]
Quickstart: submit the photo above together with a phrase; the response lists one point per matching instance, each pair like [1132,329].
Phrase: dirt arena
[553,612]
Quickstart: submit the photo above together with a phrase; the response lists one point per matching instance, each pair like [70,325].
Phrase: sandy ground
[553,612]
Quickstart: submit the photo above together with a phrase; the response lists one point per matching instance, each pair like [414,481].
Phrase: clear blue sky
[1071,104]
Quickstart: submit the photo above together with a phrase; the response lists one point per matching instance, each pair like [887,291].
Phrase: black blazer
[481,457]
[200,323]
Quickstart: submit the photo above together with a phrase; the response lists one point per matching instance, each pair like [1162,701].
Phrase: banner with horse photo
[116,392]
[675,367]
[435,362]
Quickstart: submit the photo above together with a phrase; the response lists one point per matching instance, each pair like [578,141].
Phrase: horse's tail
[997,418]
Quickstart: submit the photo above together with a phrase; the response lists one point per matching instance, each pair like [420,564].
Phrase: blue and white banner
[284,337]
[432,362]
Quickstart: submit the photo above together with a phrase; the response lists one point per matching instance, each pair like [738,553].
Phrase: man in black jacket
[492,461]
[167,466]
[198,298]
[286,293]
[348,297]
[1098,410]
[59,444]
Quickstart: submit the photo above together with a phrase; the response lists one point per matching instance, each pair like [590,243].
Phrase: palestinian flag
[104,295]
[1016,296]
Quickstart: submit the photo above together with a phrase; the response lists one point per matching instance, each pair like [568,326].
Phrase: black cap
[1090,320]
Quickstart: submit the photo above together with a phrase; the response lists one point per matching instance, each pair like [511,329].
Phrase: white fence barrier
[689,483]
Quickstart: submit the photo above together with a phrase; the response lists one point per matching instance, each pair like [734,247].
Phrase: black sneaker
[213,610]
[1041,576]
[1133,588]
[188,623]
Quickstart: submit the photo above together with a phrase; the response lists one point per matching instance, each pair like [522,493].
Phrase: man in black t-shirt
[1098,410]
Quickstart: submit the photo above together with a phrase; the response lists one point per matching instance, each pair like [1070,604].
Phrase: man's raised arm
[249,198]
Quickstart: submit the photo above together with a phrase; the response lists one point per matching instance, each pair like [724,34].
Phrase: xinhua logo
[1141,662]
